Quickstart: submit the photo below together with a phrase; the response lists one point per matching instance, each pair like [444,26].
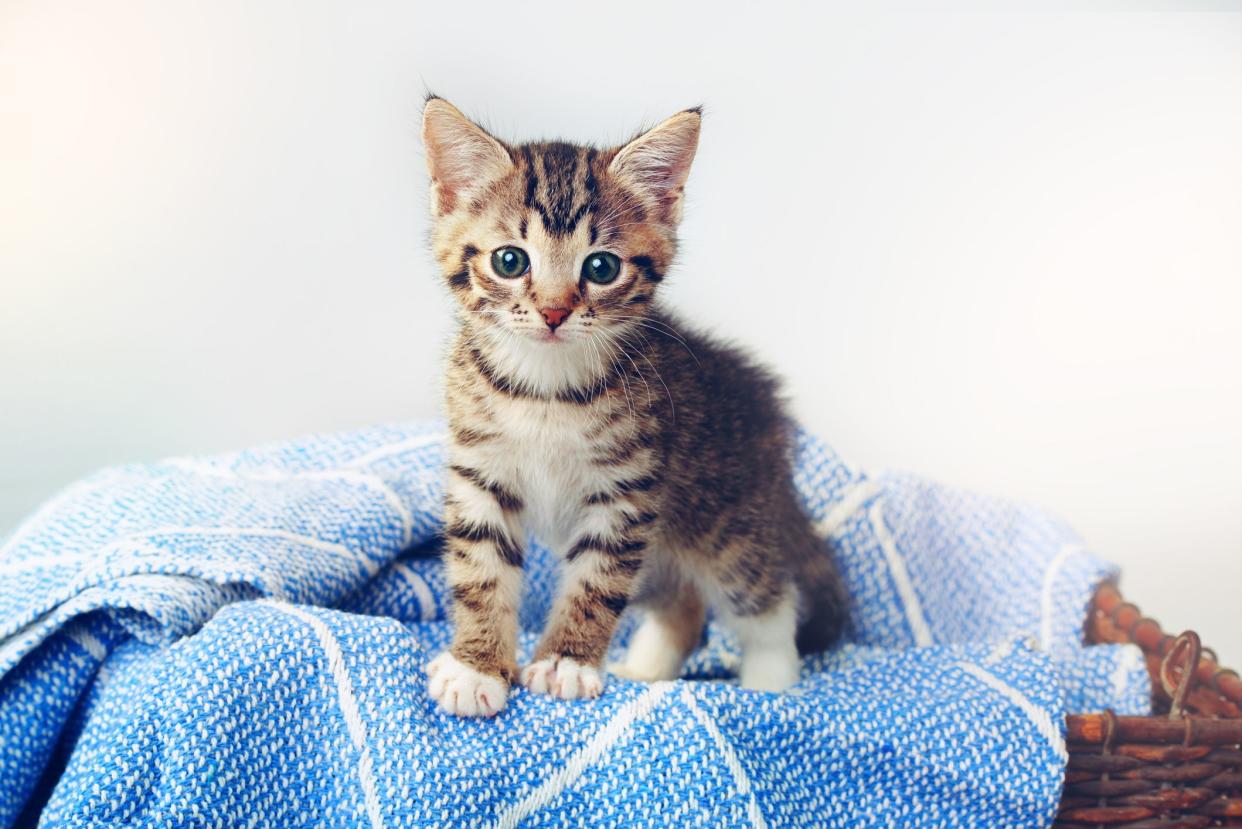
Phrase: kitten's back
[729,445]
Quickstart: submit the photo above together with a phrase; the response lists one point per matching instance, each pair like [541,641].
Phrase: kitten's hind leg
[665,637]
[769,654]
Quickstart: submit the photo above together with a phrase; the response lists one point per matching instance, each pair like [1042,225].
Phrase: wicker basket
[1179,768]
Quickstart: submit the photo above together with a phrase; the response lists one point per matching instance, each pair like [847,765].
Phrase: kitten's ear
[658,161]
[460,155]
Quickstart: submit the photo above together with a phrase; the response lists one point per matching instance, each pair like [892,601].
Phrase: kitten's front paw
[563,678]
[462,690]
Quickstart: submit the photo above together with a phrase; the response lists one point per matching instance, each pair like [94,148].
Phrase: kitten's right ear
[460,156]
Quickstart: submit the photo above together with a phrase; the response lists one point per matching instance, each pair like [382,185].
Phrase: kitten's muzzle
[554,316]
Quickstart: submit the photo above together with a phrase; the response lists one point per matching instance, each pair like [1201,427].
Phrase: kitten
[655,463]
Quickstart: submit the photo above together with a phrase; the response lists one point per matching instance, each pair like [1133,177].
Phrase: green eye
[601,267]
[510,262]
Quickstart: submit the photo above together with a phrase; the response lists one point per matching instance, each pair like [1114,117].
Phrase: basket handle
[1183,654]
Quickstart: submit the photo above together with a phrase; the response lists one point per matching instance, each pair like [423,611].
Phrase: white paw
[639,673]
[653,655]
[772,670]
[462,690]
[563,678]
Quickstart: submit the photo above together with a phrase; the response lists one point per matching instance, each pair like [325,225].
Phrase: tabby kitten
[655,463]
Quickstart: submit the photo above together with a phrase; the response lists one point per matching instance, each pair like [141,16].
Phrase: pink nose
[554,316]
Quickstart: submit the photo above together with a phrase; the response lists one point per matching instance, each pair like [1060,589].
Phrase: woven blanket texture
[239,640]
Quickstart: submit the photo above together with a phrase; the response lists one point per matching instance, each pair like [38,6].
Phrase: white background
[1001,249]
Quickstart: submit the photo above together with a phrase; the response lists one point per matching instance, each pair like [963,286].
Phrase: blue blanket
[240,640]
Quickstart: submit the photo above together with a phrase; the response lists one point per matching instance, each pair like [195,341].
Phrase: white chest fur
[545,456]
[544,453]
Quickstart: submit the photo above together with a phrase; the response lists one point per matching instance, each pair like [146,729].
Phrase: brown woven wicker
[1179,768]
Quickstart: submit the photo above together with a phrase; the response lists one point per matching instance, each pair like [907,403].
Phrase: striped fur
[656,462]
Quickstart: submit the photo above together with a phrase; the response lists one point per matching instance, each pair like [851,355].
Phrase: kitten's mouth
[549,337]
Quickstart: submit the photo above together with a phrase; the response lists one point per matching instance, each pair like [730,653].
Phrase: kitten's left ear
[658,161]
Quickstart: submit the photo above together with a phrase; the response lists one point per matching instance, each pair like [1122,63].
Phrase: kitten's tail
[825,603]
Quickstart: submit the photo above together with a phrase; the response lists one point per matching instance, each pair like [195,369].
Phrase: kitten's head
[553,243]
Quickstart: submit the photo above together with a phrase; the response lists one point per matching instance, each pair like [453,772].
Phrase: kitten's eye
[510,262]
[601,267]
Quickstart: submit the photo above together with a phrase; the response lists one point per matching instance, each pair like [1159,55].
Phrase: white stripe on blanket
[349,706]
[901,578]
[1038,717]
[563,778]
